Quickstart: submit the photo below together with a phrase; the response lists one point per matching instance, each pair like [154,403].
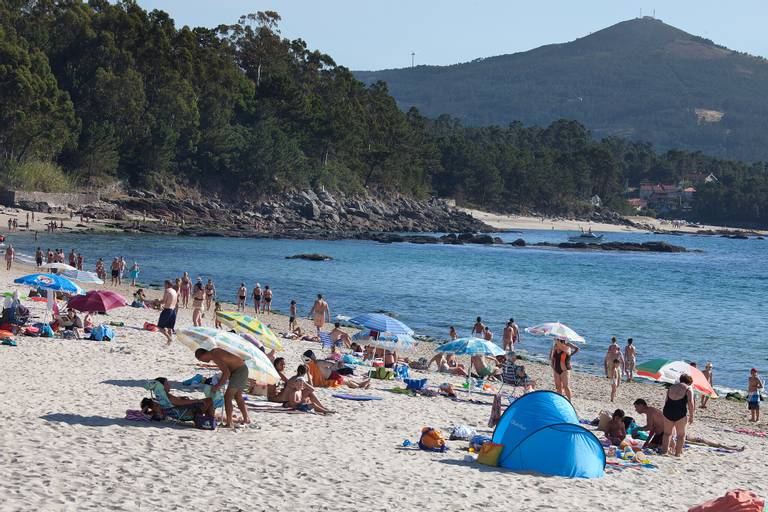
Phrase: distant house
[711,179]
[664,198]
[637,203]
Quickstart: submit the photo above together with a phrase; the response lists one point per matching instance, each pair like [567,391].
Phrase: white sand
[522,222]
[64,444]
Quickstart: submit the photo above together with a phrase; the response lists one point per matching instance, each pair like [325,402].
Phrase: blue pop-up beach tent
[541,434]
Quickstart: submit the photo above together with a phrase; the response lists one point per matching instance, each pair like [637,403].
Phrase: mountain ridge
[639,78]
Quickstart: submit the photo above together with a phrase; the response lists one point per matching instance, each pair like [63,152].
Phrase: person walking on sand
[678,405]
[707,372]
[167,321]
[614,352]
[478,329]
[242,293]
[257,297]
[630,358]
[115,271]
[10,253]
[292,316]
[560,361]
[267,306]
[210,294]
[198,297]
[234,373]
[186,289]
[320,312]
[754,385]
[134,273]
[615,372]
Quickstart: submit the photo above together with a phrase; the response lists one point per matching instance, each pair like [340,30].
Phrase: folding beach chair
[173,413]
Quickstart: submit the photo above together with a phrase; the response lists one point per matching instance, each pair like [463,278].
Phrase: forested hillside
[640,79]
[95,93]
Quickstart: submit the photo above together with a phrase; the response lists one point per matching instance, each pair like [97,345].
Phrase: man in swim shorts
[234,373]
[167,321]
[654,423]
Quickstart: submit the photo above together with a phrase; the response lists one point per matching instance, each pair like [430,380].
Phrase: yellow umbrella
[260,368]
[244,323]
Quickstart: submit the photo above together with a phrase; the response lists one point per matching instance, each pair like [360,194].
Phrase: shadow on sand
[101,421]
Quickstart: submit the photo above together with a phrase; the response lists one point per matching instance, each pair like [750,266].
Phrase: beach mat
[271,408]
[357,398]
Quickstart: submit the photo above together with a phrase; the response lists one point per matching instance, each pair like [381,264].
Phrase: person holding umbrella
[560,361]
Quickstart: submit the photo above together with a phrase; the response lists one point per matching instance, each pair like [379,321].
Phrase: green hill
[640,79]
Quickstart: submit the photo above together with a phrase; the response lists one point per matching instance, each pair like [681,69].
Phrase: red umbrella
[97,301]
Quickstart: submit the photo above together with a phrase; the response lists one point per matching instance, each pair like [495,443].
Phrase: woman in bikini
[560,360]
[186,289]
[198,296]
[678,405]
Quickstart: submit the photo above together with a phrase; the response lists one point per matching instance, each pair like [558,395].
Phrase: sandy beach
[523,222]
[67,446]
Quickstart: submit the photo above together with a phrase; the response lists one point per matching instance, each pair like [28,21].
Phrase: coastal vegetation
[95,93]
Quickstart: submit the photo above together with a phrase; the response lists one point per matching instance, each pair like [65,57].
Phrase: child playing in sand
[615,431]
[754,385]
[615,375]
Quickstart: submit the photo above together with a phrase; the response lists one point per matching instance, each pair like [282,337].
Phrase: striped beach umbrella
[83,276]
[381,323]
[247,324]
[668,371]
[260,368]
[471,346]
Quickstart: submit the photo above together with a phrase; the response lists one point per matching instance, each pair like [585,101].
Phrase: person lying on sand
[234,373]
[322,374]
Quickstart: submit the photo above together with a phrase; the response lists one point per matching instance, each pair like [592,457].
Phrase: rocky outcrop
[300,214]
[618,246]
[310,257]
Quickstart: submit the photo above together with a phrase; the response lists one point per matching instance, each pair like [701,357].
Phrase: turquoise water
[692,306]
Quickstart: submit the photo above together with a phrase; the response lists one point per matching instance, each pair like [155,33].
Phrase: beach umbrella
[555,330]
[471,346]
[51,282]
[260,368]
[241,322]
[82,276]
[386,341]
[97,301]
[381,323]
[58,266]
[668,371]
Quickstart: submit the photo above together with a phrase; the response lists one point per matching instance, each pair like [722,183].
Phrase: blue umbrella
[381,323]
[471,346]
[52,282]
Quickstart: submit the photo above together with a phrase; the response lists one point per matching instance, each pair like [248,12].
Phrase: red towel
[738,500]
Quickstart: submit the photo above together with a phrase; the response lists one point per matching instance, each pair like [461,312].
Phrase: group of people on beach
[262,298]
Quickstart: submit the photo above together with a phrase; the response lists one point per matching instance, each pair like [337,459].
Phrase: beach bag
[415,384]
[432,440]
[150,327]
[382,373]
[46,331]
[102,332]
[32,331]
[462,433]
[205,422]
[489,454]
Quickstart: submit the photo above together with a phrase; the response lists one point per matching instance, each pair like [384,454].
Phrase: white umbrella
[58,266]
[556,330]
[82,276]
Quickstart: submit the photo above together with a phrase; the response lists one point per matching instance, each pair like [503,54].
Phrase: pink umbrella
[97,301]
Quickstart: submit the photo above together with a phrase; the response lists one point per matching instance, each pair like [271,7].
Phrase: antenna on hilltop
[641,12]
[413,59]
[654,14]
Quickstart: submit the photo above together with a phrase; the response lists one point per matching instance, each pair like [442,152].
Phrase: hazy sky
[366,35]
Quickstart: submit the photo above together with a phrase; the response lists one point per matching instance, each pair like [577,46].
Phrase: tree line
[92,93]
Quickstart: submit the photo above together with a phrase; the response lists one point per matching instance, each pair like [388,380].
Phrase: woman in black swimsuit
[679,404]
[560,360]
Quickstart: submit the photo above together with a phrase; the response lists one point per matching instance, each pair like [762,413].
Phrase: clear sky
[369,35]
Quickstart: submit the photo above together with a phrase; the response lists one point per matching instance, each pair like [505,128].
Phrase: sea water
[696,306]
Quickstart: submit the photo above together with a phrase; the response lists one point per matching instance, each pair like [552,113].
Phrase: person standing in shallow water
[754,385]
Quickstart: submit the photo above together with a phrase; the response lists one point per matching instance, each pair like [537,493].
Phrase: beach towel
[135,415]
[737,500]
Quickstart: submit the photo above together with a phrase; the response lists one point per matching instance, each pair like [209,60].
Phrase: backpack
[432,440]
[205,422]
